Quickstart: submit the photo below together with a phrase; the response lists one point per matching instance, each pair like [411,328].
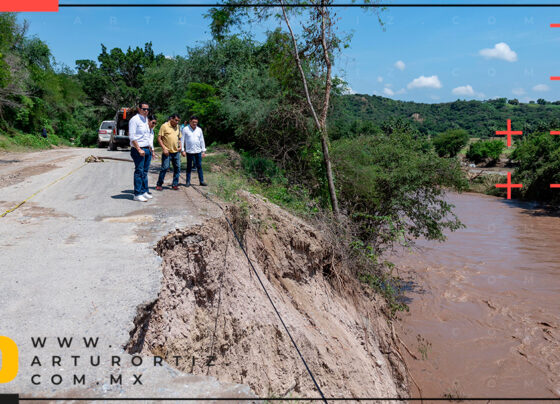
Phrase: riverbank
[484,310]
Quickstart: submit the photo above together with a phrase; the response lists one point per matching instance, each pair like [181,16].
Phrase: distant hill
[355,114]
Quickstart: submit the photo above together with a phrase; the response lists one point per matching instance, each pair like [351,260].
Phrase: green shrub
[261,169]
[483,150]
[31,141]
[450,142]
[393,188]
[538,157]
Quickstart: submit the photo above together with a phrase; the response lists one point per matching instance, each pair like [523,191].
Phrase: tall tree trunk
[323,118]
[321,122]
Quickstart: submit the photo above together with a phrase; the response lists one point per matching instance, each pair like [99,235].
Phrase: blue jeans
[141,167]
[176,161]
[195,159]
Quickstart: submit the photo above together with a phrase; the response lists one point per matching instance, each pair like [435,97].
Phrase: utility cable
[265,291]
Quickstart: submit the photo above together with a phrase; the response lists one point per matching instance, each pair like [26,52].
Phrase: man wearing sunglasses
[141,151]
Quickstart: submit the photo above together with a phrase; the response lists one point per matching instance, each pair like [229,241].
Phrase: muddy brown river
[484,316]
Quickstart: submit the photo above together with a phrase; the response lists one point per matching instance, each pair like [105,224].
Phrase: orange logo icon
[10,363]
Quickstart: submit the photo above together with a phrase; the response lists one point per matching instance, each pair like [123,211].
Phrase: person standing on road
[194,148]
[169,138]
[140,136]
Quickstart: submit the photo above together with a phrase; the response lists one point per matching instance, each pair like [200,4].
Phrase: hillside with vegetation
[358,113]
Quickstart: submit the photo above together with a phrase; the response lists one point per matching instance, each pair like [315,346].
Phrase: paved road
[77,260]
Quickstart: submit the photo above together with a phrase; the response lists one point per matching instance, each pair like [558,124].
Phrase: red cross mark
[509,132]
[509,185]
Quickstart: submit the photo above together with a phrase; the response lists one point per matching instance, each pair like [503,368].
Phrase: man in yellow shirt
[169,138]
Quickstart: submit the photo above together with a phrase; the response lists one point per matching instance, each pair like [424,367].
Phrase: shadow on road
[126,194]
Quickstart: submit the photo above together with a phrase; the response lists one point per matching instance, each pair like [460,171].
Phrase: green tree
[201,100]
[450,142]
[118,79]
[13,74]
[538,159]
[488,149]
[319,42]
[393,188]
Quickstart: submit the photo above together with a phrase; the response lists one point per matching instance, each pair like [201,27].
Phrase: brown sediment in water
[212,308]
[489,316]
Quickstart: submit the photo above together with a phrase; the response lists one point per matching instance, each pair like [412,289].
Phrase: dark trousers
[141,167]
[176,162]
[195,159]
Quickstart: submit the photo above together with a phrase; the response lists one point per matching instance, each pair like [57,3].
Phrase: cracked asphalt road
[77,260]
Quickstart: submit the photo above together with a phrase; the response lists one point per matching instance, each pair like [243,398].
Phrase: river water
[484,317]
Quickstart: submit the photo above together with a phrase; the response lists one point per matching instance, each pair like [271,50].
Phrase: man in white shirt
[141,150]
[194,148]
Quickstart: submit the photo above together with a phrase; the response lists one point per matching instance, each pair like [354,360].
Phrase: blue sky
[423,55]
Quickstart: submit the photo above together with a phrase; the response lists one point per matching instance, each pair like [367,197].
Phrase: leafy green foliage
[119,78]
[450,142]
[35,93]
[262,169]
[482,150]
[393,188]
[481,119]
[538,156]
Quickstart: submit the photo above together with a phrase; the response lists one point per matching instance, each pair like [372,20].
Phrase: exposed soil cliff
[213,313]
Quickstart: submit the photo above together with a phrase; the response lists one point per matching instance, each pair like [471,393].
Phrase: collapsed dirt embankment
[214,315]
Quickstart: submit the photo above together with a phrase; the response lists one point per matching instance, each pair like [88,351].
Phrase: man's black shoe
[188,184]
[203,184]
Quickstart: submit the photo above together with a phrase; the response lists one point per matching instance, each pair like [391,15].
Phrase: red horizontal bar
[28,5]
[555,132]
[554,77]
[554,185]
[554,25]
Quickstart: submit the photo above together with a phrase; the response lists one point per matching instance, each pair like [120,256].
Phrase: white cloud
[388,91]
[463,90]
[541,87]
[423,81]
[348,90]
[518,91]
[467,91]
[499,51]
[379,79]
[399,64]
